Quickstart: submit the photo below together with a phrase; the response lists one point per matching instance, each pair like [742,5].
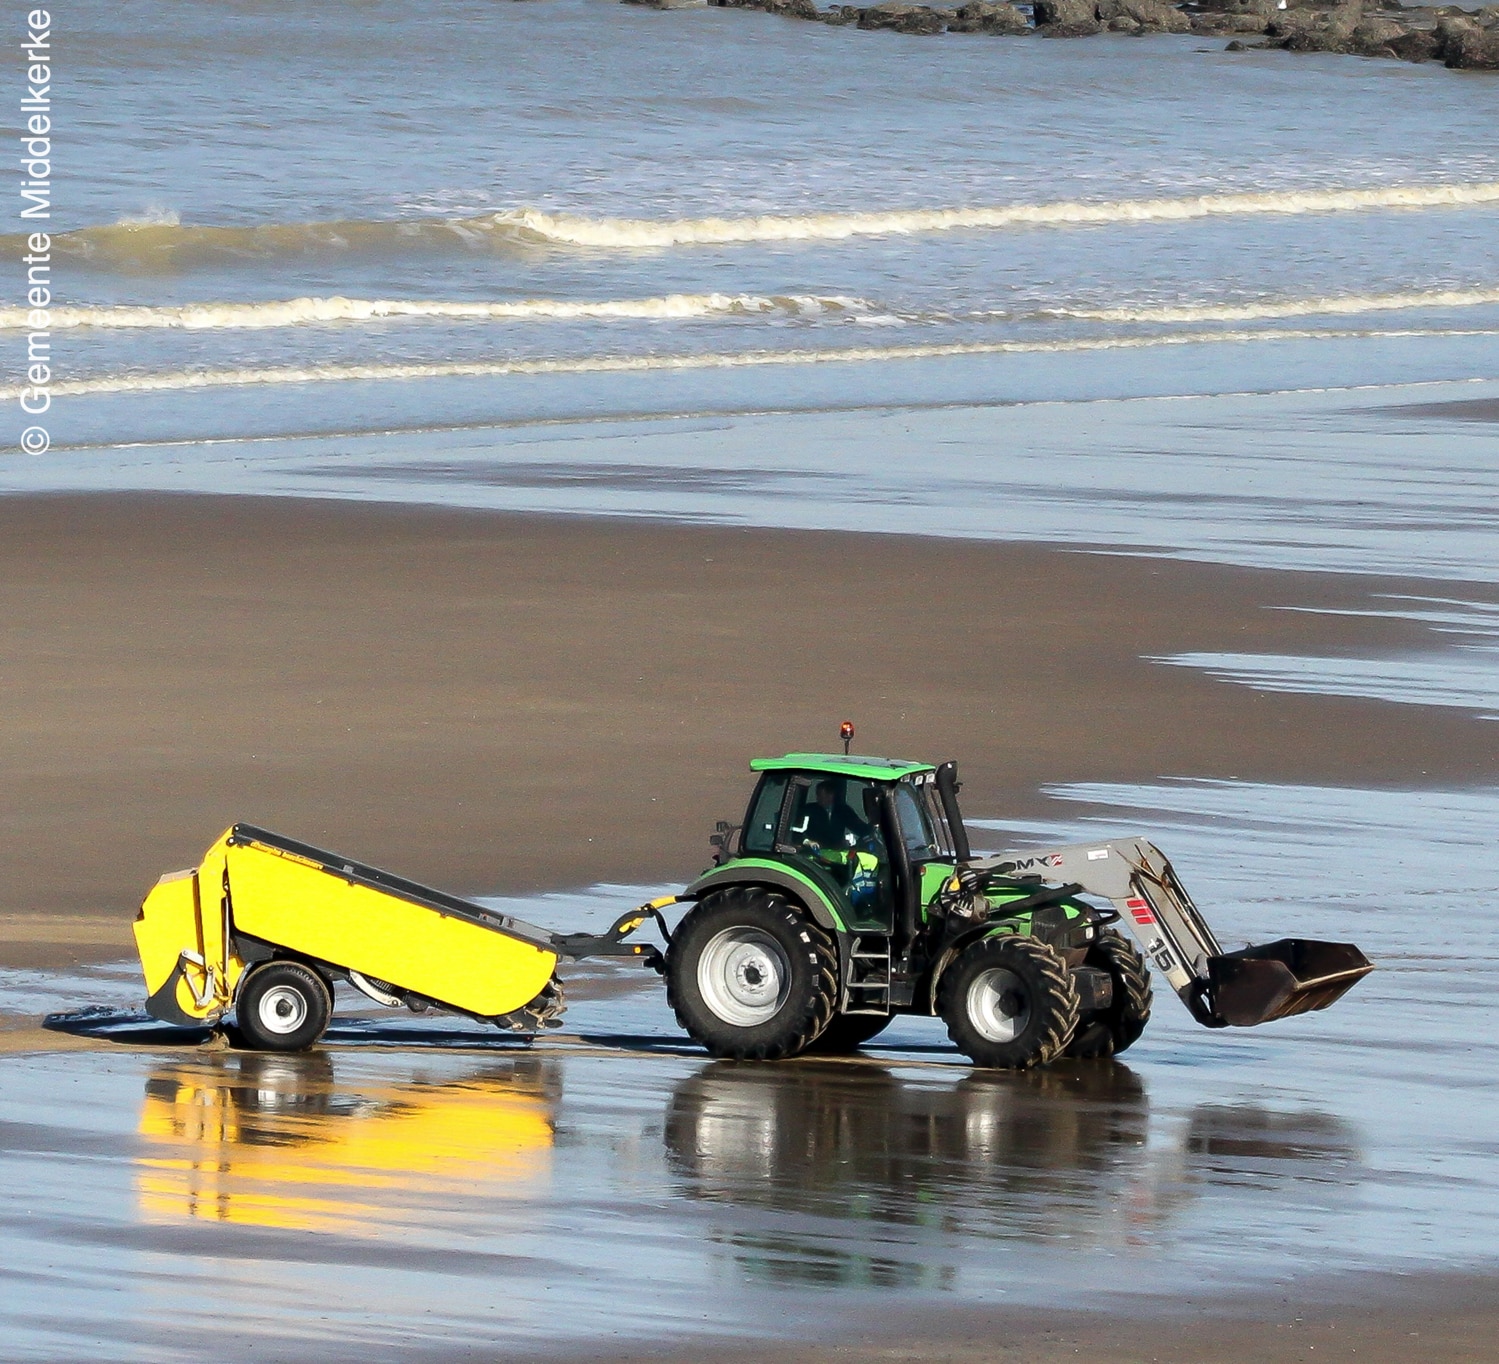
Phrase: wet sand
[1386,1321]
[498,703]
[1475,410]
[502,704]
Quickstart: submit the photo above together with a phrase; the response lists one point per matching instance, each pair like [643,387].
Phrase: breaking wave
[673,307]
[299,311]
[570,230]
[158,240]
[1268,309]
[604,364]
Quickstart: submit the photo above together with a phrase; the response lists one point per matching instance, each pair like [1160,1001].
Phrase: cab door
[832,833]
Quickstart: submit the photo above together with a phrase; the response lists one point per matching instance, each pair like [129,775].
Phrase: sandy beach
[498,704]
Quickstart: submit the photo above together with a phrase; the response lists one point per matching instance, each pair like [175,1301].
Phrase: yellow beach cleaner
[265,925]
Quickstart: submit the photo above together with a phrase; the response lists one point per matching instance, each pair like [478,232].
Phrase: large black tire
[849,1032]
[1117,1028]
[1009,1003]
[283,1006]
[751,976]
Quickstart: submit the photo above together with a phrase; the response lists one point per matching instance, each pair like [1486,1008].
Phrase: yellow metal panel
[167,926]
[286,901]
[172,932]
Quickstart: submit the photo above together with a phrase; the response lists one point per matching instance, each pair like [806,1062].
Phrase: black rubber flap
[1279,979]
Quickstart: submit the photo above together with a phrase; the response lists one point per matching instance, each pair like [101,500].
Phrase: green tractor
[850,896]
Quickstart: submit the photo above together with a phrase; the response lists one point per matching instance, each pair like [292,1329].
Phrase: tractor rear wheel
[1115,1029]
[849,1032]
[751,976]
[1009,1003]
[283,1006]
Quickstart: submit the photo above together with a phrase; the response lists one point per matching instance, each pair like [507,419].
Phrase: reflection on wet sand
[277,1141]
[858,1167]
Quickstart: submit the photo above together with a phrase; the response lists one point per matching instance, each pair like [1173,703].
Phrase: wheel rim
[282,1010]
[999,1005]
[744,976]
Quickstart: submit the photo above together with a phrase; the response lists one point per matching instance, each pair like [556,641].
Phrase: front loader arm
[1220,989]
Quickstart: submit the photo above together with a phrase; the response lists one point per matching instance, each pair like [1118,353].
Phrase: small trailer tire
[1009,1003]
[283,1006]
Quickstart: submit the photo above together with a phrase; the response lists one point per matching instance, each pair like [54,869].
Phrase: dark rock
[902,18]
[984,16]
[1292,23]
[1264,9]
[1151,16]
[1473,49]
[1415,45]
[1216,25]
[1065,18]
[922,21]
[1373,37]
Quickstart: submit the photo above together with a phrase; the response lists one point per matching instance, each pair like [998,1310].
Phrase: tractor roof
[836,765]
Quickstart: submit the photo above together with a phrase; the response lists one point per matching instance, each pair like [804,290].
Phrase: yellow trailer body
[258,896]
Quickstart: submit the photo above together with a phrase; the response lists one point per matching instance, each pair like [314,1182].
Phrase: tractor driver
[830,823]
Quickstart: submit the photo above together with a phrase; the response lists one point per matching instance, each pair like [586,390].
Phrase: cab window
[765,811]
[916,829]
[830,813]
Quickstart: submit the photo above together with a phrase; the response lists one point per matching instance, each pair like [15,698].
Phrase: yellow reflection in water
[277,1141]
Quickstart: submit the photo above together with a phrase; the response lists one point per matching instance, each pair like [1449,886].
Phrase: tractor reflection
[872,1180]
[284,1142]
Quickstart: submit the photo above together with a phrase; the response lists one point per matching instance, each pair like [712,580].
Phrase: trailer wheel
[1118,1027]
[1009,1003]
[283,1006]
[751,976]
[849,1032]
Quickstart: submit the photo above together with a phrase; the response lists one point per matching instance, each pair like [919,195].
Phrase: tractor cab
[876,836]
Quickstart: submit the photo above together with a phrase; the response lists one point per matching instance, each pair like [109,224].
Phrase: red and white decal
[1140,912]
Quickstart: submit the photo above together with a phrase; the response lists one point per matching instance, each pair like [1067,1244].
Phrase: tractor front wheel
[1009,1003]
[283,1006]
[1112,1030]
[751,976]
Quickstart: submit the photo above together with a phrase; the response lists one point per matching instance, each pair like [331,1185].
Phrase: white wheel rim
[282,1010]
[744,976]
[998,1005]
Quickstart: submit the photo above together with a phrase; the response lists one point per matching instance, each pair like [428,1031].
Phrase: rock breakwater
[1458,38]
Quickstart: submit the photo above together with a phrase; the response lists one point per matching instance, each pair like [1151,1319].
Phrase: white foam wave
[154,216]
[572,230]
[619,364]
[300,311]
[1346,305]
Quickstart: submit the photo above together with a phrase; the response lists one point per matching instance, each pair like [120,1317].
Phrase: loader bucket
[1279,979]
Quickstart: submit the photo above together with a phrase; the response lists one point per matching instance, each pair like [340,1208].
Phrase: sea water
[378,215]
